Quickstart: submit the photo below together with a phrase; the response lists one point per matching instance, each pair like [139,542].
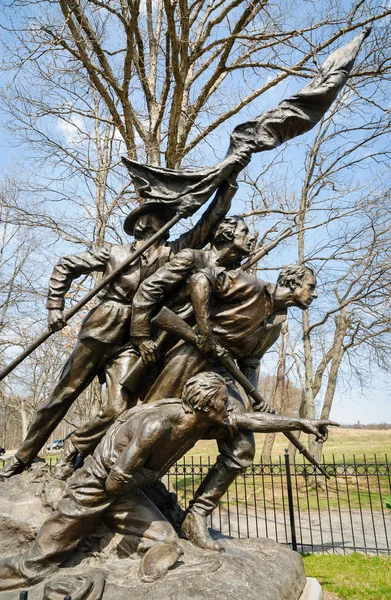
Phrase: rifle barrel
[265,250]
[166,319]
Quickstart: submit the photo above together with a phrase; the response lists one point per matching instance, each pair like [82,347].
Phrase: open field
[365,492]
[343,443]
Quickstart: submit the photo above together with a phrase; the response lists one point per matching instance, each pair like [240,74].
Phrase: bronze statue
[98,345]
[138,448]
[232,311]
[231,242]
[245,315]
[103,342]
[85,439]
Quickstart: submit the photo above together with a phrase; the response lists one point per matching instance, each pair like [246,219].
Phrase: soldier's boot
[13,467]
[66,463]
[194,527]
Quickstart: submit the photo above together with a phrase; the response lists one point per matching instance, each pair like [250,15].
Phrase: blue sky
[350,405]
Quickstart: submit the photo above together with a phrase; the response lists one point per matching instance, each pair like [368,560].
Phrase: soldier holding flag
[105,328]
[103,342]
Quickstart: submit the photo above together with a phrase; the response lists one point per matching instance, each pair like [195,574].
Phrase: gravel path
[322,530]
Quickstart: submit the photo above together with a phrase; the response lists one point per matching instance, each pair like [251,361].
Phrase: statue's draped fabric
[291,118]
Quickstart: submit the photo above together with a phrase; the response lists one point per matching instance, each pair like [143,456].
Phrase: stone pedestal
[249,569]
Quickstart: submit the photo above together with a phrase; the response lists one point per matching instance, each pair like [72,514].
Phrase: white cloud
[72,130]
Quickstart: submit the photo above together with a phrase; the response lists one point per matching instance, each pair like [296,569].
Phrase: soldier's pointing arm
[268,423]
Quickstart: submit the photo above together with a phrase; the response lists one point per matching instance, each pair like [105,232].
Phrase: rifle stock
[136,372]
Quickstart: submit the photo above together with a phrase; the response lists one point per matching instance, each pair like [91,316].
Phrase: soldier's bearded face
[305,293]
[243,240]
[146,226]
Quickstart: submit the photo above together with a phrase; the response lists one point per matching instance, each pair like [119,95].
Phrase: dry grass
[330,596]
[342,443]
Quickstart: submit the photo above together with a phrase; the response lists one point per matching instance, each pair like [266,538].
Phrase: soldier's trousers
[236,452]
[85,502]
[88,358]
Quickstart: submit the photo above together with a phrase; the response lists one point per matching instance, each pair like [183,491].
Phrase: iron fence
[291,503]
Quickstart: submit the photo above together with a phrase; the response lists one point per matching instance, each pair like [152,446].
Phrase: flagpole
[105,281]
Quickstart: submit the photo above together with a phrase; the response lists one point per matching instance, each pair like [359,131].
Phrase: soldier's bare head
[233,233]
[298,284]
[203,391]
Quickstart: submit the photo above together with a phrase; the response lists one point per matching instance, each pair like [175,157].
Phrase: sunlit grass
[344,444]
[352,577]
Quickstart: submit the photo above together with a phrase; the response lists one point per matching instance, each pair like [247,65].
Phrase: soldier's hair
[199,390]
[225,230]
[292,276]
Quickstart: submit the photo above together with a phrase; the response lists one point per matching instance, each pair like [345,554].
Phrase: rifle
[175,325]
[132,378]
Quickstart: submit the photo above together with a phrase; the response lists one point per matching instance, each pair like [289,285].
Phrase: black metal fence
[292,504]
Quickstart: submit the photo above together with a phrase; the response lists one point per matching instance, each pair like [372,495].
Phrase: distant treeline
[370,426]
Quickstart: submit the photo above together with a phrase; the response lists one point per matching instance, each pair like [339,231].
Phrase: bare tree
[343,232]
[162,82]
[167,75]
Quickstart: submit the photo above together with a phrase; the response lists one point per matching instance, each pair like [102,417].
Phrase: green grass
[357,494]
[351,577]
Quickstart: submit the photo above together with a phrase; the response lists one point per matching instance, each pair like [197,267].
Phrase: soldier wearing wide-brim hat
[159,210]
[103,344]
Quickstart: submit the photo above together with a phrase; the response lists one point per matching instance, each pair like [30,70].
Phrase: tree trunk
[337,354]
[278,395]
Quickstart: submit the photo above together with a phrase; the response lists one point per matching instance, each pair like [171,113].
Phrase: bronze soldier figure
[103,341]
[94,350]
[231,242]
[245,316]
[138,448]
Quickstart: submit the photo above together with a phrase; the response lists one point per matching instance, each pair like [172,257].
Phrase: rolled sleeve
[69,268]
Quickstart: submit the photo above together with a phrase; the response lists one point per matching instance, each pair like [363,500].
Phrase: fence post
[290,500]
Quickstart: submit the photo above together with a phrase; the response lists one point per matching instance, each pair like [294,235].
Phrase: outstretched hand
[319,428]
[56,319]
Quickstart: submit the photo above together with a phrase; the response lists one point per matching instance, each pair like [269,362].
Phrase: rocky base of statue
[102,569]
